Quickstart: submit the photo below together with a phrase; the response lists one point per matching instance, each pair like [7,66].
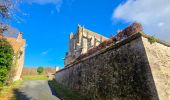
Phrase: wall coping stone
[115,46]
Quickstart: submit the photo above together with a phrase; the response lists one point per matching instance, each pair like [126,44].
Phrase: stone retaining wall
[120,72]
[159,60]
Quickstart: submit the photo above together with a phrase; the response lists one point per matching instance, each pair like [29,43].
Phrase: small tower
[78,28]
[71,35]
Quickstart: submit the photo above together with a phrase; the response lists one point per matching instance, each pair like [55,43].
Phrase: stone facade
[81,42]
[132,69]
[18,45]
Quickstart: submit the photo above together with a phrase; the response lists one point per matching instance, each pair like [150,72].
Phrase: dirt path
[35,90]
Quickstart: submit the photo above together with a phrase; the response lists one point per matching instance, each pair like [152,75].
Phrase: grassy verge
[63,92]
[6,92]
[35,77]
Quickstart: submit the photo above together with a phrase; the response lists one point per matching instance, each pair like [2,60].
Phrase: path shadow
[53,91]
[19,95]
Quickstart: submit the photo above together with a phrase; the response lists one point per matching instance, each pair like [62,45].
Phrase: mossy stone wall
[120,72]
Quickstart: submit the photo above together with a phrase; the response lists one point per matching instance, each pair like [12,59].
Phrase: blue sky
[46,24]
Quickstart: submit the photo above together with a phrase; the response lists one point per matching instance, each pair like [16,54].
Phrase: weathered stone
[159,61]
[132,69]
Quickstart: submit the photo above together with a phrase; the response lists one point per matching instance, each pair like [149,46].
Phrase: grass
[35,77]
[64,92]
[6,92]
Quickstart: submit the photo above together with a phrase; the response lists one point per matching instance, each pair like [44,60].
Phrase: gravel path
[35,90]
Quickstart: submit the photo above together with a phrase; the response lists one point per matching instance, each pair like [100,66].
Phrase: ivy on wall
[6,60]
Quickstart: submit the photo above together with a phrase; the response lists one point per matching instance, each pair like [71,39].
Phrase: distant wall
[33,70]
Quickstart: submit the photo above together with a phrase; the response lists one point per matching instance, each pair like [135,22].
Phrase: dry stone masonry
[132,69]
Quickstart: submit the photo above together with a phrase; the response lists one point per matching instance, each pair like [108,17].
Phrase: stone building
[18,45]
[81,42]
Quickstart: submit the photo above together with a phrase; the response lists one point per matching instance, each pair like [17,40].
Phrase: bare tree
[7,9]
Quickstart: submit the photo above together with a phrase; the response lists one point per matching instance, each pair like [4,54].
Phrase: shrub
[91,51]
[152,39]
[40,70]
[6,60]
[128,31]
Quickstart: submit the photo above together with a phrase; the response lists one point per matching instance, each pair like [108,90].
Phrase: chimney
[20,35]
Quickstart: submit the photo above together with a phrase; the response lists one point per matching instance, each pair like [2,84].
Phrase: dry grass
[35,77]
[6,92]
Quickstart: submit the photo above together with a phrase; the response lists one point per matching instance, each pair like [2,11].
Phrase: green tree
[7,10]
[6,60]
[40,70]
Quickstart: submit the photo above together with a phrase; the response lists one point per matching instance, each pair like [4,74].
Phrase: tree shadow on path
[19,95]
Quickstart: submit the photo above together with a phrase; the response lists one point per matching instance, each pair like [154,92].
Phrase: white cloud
[46,52]
[57,3]
[153,14]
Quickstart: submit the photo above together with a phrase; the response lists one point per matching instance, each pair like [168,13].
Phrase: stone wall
[159,60]
[18,44]
[119,72]
[20,63]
